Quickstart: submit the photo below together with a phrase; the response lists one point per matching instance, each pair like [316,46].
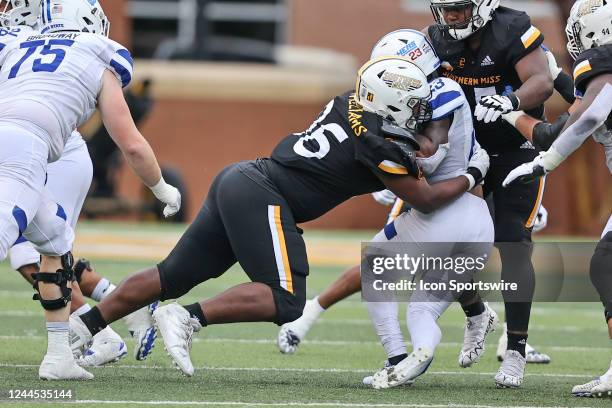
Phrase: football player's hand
[541,220]
[490,108]
[552,64]
[478,167]
[513,117]
[526,173]
[168,195]
[384,197]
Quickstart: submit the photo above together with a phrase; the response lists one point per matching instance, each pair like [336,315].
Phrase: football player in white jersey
[50,84]
[68,181]
[465,221]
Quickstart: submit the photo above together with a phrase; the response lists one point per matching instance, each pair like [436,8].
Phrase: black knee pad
[60,278]
[601,272]
[289,307]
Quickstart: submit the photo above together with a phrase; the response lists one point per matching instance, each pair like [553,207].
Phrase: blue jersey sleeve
[122,65]
[446,98]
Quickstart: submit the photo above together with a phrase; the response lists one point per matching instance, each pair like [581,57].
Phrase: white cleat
[58,367]
[80,337]
[585,390]
[532,355]
[476,330]
[512,370]
[600,387]
[141,327]
[176,327]
[404,372]
[107,347]
[291,334]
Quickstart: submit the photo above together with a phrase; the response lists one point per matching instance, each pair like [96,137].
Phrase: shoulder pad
[446,97]
[120,62]
[590,64]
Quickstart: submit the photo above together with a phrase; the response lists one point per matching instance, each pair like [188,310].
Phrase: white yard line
[303,370]
[332,343]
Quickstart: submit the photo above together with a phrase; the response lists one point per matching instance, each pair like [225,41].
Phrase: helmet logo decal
[401,82]
[589,6]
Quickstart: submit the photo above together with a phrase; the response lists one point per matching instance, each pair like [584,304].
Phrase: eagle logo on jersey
[400,82]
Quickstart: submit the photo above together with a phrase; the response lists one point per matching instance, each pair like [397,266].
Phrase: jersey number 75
[44,48]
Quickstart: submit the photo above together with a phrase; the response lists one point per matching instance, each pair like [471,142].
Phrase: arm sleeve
[589,122]
[544,134]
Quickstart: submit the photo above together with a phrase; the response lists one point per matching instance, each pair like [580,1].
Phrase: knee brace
[601,272]
[289,307]
[60,278]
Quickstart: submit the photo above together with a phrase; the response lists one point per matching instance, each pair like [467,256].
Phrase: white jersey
[448,100]
[49,83]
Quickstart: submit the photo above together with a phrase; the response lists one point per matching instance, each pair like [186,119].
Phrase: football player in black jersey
[589,33]
[494,53]
[252,210]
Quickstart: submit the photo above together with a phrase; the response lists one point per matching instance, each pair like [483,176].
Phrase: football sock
[195,311]
[102,289]
[396,359]
[422,318]
[475,309]
[94,321]
[517,342]
[384,316]
[57,338]
[83,309]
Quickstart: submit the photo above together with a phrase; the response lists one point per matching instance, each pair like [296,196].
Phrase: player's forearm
[428,198]
[141,159]
[537,89]
[583,123]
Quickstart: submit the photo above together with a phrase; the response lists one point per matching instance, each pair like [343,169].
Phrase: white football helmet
[72,15]
[410,44]
[588,26]
[482,13]
[18,12]
[395,89]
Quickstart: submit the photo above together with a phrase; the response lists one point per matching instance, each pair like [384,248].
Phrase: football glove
[529,172]
[384,197]
[477,167]
[541,220]
[490,108]
[552,64]
[430,164]
[168,195]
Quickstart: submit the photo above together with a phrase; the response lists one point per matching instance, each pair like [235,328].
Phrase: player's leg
[601,277]
[291,334]
[515,211]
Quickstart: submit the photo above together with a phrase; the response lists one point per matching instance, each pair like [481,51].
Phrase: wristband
[516,102]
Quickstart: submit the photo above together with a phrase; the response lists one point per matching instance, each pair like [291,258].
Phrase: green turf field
[239,365]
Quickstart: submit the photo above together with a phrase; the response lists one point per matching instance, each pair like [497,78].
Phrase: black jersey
[505,40]
[590,64]
[335,159]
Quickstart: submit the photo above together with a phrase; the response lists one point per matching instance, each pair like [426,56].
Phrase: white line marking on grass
[301,404]
[331,343]
[301,370]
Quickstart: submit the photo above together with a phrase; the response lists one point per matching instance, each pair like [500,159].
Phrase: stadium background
[267,67]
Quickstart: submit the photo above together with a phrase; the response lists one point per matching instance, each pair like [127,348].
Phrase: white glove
[429,164]
[168,195]
[541,220]
[384,197]
[490,108]
[552,64]
[477,167]
[528,172]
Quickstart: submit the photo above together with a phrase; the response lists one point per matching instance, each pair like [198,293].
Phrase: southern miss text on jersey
[49,83]
[507,38]
[335,159]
